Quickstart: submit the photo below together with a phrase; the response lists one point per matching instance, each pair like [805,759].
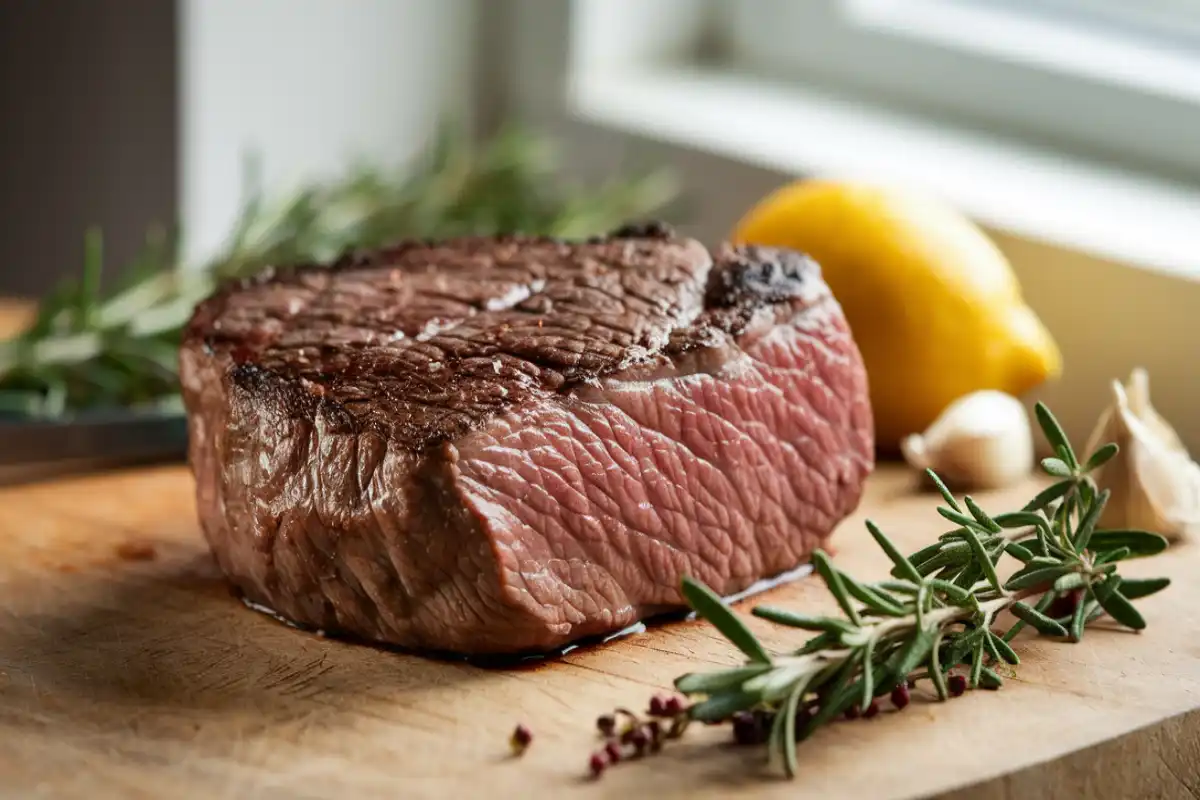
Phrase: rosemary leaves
[935,618]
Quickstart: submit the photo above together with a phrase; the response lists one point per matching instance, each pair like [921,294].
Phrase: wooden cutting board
[128,670]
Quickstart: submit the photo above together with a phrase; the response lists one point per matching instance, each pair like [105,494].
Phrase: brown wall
[88,131]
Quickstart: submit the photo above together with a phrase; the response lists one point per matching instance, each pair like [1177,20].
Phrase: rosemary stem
[935,619]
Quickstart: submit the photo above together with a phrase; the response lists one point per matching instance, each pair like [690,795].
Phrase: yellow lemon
[932,302]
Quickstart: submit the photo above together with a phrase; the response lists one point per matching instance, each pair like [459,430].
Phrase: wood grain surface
[128,670]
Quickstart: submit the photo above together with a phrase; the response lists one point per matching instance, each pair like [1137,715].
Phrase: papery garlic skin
[982,440]
[1155,484]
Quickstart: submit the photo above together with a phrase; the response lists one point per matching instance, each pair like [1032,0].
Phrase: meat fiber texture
[504,445]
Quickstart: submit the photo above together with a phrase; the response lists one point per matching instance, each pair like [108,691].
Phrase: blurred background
[1066,128]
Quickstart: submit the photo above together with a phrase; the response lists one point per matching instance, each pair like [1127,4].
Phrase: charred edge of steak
[755,275]
[747,280]
[299,398]
[650,229]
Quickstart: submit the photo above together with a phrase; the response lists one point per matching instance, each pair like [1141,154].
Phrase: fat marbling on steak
[498,445]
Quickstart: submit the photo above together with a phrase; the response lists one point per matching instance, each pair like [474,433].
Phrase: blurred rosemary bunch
[88,349]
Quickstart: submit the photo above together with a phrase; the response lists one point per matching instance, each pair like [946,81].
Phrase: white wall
[309,86]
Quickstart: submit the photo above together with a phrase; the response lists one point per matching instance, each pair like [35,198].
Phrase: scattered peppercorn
[900,696]
[872,710]
[1064,605]
[956,685]
[596,764]
[853,712]
[640,739]
[613,751]
[672,706]
[606,724]
[520,739]
[747,728]
[658,706]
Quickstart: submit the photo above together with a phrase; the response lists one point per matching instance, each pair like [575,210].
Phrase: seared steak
[497,445]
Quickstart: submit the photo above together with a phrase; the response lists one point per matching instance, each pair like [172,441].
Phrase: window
[1114,79]
[1048,119]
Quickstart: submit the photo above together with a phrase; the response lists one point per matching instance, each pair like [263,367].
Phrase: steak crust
[503,445]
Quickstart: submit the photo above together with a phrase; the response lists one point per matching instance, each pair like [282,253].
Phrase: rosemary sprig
[936,617]
[86,349]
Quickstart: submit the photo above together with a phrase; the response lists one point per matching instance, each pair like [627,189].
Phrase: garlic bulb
[1155,484]
[980,441]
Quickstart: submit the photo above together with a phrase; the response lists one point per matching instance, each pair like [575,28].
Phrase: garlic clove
[1138,393]
[1154,482]
[982,440]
